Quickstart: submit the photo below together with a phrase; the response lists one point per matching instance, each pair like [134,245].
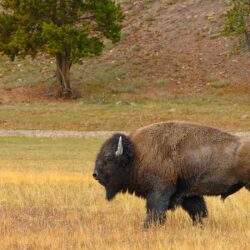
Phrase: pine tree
[68,30]
[238,19]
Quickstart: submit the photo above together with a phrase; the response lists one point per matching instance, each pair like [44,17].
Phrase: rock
[122,103]
[210,15]
[214,35]
[244,117]
[172,110]
[133,104]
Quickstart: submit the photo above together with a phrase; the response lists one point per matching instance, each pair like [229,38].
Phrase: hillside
[179,44]
[168,47]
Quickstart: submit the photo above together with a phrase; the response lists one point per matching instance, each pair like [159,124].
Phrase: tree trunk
[63,73]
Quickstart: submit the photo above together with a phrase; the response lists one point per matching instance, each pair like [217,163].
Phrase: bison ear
[119,150]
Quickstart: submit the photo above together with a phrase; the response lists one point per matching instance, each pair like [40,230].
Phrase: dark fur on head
[113,171]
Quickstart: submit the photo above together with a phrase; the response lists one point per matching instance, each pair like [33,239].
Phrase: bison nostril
[95,175]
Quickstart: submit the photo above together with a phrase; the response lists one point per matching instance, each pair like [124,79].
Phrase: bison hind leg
[196,208]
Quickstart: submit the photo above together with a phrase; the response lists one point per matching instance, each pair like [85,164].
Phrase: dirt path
[71,134]
[57,133]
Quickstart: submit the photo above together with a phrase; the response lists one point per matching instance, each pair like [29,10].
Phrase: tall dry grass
[46,207]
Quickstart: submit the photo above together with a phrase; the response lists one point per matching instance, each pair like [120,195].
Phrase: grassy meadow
[221,111]
[48,200]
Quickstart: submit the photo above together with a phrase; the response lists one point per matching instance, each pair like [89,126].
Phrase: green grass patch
[34,154]
[224,112]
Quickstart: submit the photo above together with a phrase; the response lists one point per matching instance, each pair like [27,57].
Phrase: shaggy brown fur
[209,160]
[174,163]
[187,160]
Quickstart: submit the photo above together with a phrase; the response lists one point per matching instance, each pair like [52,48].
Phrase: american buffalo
[174,164]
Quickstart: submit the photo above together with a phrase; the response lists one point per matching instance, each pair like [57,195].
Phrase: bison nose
[95,175]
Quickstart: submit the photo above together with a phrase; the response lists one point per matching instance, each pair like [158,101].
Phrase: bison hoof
[146,225]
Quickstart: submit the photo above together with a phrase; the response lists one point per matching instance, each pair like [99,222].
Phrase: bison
[174,164]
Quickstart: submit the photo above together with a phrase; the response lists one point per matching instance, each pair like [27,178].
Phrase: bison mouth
[101,182]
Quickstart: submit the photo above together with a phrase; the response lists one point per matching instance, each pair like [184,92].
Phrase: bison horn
[119,150]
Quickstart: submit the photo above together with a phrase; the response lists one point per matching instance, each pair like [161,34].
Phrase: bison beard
[110,194]
[174,164]
[112,188]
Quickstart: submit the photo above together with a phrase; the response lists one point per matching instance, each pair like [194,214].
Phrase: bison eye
[107,161]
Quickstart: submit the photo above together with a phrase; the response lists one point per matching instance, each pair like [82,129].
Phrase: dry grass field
[48,200]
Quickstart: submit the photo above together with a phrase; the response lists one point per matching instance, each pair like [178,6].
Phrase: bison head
[113,164]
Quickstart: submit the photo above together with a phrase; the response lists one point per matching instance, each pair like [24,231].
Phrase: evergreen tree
[68,30]
[238,19]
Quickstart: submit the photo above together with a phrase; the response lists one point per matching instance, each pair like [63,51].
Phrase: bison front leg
[196,208]
[157,204]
